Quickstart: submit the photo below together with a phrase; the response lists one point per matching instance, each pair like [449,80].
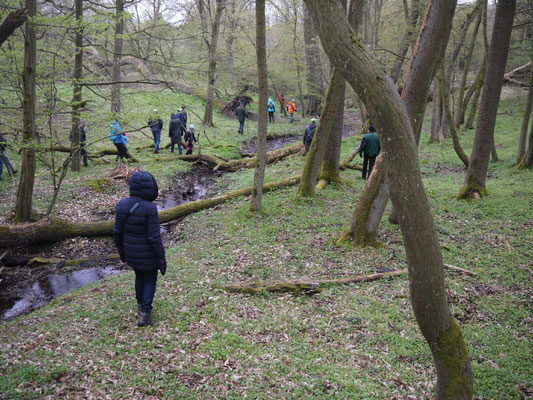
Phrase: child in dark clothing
[189,139]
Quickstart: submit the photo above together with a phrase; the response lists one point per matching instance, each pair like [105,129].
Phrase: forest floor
[351,341]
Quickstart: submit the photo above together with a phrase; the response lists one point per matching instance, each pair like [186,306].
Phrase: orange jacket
[291,107]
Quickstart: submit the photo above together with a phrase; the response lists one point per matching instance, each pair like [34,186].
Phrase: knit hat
[191,126]
[313,120]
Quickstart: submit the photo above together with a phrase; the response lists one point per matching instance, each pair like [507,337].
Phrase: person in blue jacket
[271,111]
[118,138]
[138,240]
[156,126]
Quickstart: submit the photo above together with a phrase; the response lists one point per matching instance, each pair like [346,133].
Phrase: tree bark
[212,57]
[117,55]
[262,77]
[11,23]
[77,86]
[525,123]
[315,83]
[476,174]
[321,137]
[407,41]
[426,275]
[23,206]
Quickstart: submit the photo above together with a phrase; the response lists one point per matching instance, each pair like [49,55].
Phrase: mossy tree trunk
[426,273]
[259,175]
[23,206]
[428,51]
[476,174]
[321,137]
[314,78]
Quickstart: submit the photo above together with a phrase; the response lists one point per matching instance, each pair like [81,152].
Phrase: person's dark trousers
[241,127]
[271,116]
[145,282]
[368,162]
[122,150]
[83,154]
[180,148]
[157,141]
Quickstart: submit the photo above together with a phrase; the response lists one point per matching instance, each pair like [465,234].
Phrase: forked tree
[426,274]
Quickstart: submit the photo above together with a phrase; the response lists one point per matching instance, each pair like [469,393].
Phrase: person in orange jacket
[291,108]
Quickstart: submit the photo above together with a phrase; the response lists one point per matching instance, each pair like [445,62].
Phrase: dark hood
[143,185]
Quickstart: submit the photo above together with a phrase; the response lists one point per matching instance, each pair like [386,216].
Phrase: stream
[42,285]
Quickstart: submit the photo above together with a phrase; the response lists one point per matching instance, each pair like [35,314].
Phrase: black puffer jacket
[137,236]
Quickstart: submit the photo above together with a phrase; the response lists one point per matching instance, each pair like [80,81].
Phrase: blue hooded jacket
[137,236]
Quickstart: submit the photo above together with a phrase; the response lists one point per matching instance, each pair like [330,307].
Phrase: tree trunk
[321,137]
[448,115]
[461,103]
[476,90]
[428,51]
[260,46]
[407,41]
[117,55]
[528,158]
[315,84]
[329,169]
[426,274]
[525,123]
[436,116]
[212,56]
[23,206]
[76,98]
[476,174]
[11,23]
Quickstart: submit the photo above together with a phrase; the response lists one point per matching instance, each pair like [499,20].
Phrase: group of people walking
[177,130]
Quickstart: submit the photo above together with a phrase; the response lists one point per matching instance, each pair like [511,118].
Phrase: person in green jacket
[241,114]
[370,148]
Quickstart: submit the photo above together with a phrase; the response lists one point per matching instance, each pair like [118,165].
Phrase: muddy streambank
[23,288]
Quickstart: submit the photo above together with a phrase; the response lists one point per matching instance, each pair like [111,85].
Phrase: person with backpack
[291,108]
[182,116]
[271,111]
[189,139]
[370,148]
[118,138]
[137,237]
[309,134]
[241,114]
[175,133]
[83,142]
[156,126]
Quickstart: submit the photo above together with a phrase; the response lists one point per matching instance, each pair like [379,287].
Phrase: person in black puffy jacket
[138,240]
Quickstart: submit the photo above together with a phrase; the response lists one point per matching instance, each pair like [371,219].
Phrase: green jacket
[241,113]
[370,145]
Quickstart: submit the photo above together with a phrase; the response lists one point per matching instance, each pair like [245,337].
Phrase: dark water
[54,285]
[272,144]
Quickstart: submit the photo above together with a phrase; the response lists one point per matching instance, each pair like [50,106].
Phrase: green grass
[351,341]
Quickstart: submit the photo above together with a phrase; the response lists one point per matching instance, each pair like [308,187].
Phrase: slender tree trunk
[461,103]
[476,174]
[408,39]
[525,123]
[23,206]
[528,158]
[476,93]
[323,131]
[436,132]
[448,115]
[426,273]
[76,98]
[428,51]
[259,176]
[117,56]
[212,74]
[315,84]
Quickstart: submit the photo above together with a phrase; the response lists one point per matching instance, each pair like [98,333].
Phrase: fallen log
[96,154]
[49,230]
[305,286]
[31,262]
